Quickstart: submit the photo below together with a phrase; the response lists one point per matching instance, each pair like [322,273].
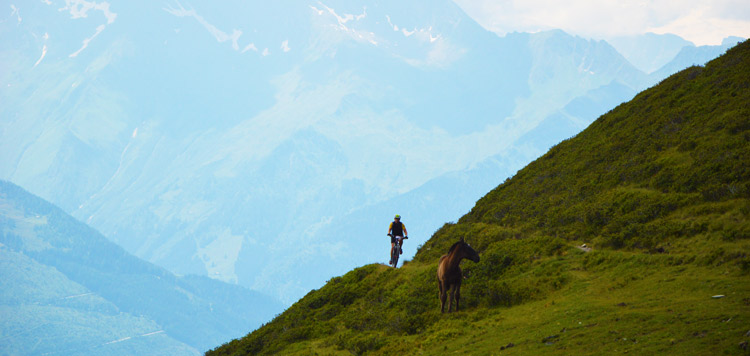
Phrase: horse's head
[470,253]
[466,251]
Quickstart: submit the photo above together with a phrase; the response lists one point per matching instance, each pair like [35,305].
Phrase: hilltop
[658,190]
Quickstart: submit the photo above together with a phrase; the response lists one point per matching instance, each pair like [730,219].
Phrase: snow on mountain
[264,143]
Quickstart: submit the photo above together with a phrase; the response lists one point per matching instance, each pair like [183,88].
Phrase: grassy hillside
[658,188]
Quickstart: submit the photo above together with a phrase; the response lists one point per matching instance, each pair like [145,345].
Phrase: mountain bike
[396,250]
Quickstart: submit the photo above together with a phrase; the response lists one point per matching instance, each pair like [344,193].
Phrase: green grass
[659,186]
[594,303]
[643,306]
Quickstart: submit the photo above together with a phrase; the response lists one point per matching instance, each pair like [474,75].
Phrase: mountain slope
[68,289]
[178,129]
[659,191]
[44,312]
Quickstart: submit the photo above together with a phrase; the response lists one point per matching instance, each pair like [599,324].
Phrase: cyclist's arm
[390,227]
[405,232]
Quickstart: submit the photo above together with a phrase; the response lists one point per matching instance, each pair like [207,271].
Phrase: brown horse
[449,273]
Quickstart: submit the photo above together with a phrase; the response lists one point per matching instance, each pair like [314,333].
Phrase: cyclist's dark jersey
[397,228]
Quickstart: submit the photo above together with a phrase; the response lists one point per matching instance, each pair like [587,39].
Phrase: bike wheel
[394,257]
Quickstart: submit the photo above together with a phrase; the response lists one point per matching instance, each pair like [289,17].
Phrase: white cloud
[285,46]
[701,27]
[700,21]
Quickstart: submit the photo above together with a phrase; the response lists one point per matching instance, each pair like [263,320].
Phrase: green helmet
[397,216]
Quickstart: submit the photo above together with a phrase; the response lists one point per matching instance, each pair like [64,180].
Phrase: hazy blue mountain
[68,290]
[692,55]
[267,144]
[44,312]
[650,51]
[424,210]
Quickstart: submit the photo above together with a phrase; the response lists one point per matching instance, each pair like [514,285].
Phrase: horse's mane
[455,245]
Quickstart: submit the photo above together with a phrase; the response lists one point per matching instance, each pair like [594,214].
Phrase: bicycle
[396,250]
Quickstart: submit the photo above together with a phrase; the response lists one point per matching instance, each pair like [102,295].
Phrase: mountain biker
[397,229]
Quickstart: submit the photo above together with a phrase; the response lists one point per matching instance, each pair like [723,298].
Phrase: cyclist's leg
[401,243]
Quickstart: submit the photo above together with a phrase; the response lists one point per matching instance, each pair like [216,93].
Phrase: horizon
[702,22]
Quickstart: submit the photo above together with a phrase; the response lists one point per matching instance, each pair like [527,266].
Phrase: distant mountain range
[269,144]
[666,53]
[650,52]
[67,290]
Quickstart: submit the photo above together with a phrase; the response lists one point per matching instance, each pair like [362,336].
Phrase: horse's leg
[457,287]
[440,294]
[453,295]
[458,294]
[443,296]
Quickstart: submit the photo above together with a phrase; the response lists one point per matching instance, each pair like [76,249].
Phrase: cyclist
[397,229]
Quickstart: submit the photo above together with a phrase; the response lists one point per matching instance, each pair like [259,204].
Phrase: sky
[703,22]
